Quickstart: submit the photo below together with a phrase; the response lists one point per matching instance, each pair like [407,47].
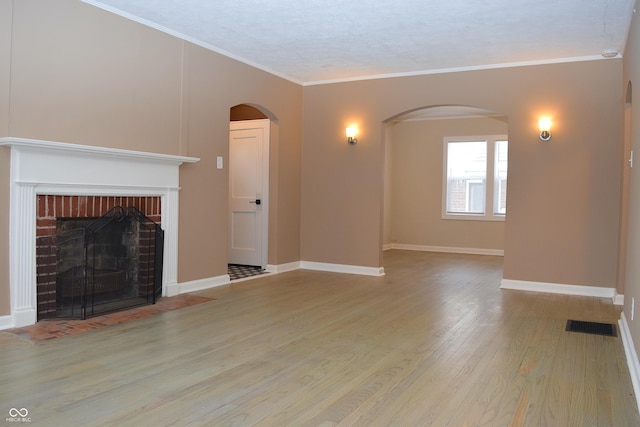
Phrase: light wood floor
[434,342]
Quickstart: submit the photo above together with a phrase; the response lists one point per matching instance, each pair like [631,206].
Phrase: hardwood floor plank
[434,342]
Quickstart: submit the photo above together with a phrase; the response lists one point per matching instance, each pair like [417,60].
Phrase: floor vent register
[596,328]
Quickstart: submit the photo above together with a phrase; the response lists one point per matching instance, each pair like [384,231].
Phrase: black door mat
[606,329]
[237,271]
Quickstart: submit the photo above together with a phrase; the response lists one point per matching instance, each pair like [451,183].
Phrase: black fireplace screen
[107,264]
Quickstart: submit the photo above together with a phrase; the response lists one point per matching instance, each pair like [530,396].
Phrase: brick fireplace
[52,212]
[52,179]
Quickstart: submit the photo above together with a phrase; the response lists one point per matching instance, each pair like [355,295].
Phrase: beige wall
[563,196]
[416,185]
[82,75]
[6,7]
[387,184]
[632,277]
[216,84]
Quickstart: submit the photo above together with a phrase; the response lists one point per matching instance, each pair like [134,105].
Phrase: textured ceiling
[313,41]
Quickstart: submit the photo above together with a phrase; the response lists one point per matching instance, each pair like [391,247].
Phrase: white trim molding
[342,268]
[6,322]
[213,282]
[80,170]
[199,285]
[444,249]
[632,356]
[189,39]
[283,268]
[558,288]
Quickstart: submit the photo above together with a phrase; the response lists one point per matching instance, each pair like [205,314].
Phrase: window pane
[466,177]
[500,179]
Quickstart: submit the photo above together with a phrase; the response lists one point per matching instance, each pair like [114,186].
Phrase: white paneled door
[248,192]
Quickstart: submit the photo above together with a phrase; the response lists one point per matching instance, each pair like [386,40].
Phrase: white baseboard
[173,289]
[342,268]
[19,319]
[558,288]
[202,284]
[387,246]
[212,282]
[618,299]
[282,268]
[25,317]
[445,249]
[6,322]
[632,356]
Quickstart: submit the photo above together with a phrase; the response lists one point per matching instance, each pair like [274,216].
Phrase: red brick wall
[52,207]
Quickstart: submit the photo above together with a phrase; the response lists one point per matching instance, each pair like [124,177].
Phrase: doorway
[414,181]
[248,196]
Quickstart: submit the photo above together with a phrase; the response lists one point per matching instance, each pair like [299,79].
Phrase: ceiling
[320,41]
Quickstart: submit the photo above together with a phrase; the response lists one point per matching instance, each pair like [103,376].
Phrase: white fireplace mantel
[55,168]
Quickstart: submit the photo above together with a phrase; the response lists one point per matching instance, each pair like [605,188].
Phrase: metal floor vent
[606,329]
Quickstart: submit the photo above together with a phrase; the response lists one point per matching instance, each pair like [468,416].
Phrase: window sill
[473,217]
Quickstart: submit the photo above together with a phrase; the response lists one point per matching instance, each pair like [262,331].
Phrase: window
[475,178]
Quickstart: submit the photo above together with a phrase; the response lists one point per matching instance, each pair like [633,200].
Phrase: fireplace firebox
[103,264]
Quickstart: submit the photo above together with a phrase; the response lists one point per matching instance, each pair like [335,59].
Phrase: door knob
[256,201]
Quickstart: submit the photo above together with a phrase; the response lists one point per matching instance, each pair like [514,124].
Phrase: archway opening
[245,112]
[418,185]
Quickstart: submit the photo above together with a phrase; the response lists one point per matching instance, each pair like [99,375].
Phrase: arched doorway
[249,146]
[415,183]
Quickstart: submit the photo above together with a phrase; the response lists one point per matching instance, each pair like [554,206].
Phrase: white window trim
[489,214]
[467,200]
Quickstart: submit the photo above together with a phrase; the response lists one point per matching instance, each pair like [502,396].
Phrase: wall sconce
[545,129]
[351,135]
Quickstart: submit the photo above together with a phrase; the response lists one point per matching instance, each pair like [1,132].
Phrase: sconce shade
[351,135]
[545,129]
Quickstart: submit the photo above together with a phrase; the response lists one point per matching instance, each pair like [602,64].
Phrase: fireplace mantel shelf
[37,144]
